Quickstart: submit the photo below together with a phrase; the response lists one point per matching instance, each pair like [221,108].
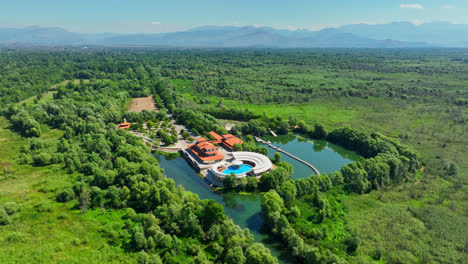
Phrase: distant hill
[41,35]
[436,34]
[218,36]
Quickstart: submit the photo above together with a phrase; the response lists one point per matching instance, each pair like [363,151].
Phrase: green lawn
[47,96]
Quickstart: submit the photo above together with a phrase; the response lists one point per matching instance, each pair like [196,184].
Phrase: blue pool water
[238,169]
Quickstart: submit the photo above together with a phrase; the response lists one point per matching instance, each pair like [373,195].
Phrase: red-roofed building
[218,138]
[200,140]
[124,125]
[206,152]
[229,141]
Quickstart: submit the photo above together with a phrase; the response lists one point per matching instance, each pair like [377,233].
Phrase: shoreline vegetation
[365,101]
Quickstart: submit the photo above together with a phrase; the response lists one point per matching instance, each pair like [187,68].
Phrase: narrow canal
[245,209]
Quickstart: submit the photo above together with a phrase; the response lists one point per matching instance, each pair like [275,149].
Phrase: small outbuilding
[124,125]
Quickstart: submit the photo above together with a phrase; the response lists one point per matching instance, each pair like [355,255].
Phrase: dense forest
[404,111]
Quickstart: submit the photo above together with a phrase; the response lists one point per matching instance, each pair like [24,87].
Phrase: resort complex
[205,151]
[242,164]
[215,163]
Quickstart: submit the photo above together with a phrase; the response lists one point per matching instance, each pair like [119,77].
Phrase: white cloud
[411,6]
[417,22]
[155,23]
[448,7]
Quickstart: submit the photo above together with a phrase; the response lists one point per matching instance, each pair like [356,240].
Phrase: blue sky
[153,16]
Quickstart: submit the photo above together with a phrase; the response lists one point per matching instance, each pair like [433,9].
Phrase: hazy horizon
[230,25]
[159,17]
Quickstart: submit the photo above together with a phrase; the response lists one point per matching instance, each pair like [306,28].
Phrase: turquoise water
[237,169]
[244,210]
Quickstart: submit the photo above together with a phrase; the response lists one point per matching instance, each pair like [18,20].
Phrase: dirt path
[142,103]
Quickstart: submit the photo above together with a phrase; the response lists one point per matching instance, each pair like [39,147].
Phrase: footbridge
[268,143]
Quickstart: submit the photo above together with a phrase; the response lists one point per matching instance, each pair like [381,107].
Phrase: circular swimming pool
[237,169]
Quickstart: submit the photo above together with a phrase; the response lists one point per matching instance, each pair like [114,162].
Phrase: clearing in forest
[142,103]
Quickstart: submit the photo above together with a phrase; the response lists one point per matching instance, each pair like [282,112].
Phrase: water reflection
[245,209]
[326,157]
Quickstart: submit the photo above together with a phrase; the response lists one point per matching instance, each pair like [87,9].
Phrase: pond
[325,156]
[244,210]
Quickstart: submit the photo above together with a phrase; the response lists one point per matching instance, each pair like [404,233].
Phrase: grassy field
[32,235]
[399,229]
[47,96]
[434,129]
[424,221]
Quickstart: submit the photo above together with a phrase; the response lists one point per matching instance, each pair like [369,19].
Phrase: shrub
[65,195]
[23,159]
[230,181]
[142,257]
[43,206]
[42,159]
[15,237]
[4,218]
[76,241]
[11,207]
[62,216]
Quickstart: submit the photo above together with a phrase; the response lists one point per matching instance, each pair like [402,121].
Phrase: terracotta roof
[228,136]
[125,125]
[202,156]
[231,141]
[215,135]
[206,145]
[200,139]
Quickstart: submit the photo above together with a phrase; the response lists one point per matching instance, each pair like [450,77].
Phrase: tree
[149,124]
[271,202]
[230,181]
[201,259]
[318,132]
[258,254]
[212,213]
[252,183]
[242,184]
[303,127]
[452,169]
[139,240]
[220,103]
[42,159]
[142,258]
[283,128]
[273,179]
[288,192]
[277,158]
[213,233]
[234,256]
[352,241]
[85,199]
[356,177]
[65,195]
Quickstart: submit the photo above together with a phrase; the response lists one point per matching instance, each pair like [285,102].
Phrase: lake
[244,210]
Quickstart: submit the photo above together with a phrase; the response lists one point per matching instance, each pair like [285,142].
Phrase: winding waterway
[245,209]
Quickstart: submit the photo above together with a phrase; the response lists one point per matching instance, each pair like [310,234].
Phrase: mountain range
[392,35]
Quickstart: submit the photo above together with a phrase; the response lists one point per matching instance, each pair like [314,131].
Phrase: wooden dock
[268,143]
[272,133]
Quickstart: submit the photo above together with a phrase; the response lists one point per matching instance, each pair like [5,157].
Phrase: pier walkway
[268,143]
